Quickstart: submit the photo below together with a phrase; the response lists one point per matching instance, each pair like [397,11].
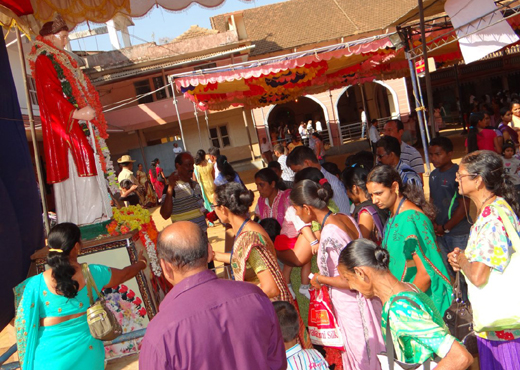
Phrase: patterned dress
[488,243]
[358,317]
[253,253]
[418,331]
[411,232]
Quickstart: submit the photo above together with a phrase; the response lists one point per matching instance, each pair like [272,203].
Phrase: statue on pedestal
[74,130]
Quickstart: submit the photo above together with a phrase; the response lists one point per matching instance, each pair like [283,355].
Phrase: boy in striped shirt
[297,358]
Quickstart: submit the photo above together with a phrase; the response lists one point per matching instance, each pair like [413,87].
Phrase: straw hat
[124,159]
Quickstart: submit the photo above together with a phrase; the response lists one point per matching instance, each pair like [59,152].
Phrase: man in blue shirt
[389,152]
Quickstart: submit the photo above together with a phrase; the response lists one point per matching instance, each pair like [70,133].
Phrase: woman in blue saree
[51,325]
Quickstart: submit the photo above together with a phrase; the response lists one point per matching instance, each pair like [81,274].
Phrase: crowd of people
[386,256]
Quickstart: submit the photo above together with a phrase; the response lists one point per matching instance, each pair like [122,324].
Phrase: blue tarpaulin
[21,227]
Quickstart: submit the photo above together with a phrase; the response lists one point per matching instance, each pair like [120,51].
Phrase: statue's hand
[87,113]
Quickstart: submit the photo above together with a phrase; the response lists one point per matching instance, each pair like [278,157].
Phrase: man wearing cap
[127,164]
[67,99]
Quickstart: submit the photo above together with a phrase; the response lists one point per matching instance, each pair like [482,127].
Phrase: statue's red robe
[60,131]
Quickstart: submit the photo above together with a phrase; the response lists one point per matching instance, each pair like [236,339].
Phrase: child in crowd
[128,193]
[511,164]
[297,358]
[272,227]
[452,223]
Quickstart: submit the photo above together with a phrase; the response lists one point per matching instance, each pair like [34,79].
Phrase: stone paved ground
[216,234]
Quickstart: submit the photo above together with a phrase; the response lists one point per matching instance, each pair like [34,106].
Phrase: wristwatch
[446,231]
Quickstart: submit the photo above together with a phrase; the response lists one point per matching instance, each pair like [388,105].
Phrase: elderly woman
[253,258]
[481,177]
[51,325]
[409,236]
[417,328]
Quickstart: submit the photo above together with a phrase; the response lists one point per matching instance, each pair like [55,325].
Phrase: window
[219,136]
[158,82]
[143,87]
[205,66]
[32,90]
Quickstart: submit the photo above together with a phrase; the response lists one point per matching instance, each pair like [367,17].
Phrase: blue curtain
[21,227]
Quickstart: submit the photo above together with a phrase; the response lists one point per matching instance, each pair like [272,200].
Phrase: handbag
[323,328]
[496,304]
[387,359]
[459,319]
[101,321]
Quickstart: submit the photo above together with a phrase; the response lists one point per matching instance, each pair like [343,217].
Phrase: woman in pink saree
[157,178]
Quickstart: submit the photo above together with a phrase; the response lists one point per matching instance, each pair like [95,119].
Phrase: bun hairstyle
[225,168]
[313,194]
[63,238]
[387,175]
[313,174]
[234,197]
[355,175]
[364,252]
[490,167]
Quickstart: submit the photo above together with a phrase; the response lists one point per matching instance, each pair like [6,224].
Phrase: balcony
[160,112]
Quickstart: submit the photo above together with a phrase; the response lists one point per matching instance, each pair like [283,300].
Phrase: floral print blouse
[488,243]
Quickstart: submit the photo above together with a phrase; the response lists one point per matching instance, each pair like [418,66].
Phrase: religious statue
[73,128]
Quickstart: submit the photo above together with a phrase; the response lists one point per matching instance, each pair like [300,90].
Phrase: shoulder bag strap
[86,275]
[377,221]
[390,351]
[510,229]
[90,283]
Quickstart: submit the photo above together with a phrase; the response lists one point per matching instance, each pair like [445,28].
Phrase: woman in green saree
[51,325]
[417,328]
[409,236]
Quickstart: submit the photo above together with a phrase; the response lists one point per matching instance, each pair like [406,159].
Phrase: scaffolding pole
[33,134]
[196,113]
[178,116]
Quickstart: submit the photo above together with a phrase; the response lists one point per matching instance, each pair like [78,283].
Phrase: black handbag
[459,319]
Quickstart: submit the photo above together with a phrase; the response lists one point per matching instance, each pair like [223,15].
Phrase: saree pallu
[411,232]
[206,182]
[244,245]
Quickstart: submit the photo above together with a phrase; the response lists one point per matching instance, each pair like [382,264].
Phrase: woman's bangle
[314,242]
[318,280]
[145,263]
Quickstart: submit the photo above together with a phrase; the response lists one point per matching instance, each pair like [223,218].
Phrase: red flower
[486,212]
[123,289]
[500,334]
[130,295]
[142,312]
[137,301]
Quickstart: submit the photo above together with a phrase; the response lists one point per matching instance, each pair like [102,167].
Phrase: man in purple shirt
[205,322]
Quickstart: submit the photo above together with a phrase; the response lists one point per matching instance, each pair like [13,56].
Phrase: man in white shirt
[176,149]
[302,157]
[303,132]
[409,154]
[364,122]
[287,173]
[319,128]
[373,135]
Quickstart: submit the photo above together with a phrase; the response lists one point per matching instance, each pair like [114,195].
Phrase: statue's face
[59,40]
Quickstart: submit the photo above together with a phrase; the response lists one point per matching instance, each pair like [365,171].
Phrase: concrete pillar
[112,33]
[126,37]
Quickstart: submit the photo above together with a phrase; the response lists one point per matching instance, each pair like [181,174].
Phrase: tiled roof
[195,31]
[295,23]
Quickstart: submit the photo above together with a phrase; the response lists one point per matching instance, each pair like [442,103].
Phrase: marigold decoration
[137,218]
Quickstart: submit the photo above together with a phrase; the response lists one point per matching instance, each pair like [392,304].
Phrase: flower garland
[136,218]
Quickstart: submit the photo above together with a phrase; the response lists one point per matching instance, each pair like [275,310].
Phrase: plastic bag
[323,327]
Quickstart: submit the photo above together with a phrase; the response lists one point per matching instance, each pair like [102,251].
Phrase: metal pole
[423,112]
[459,93]
[178,116]
[266,125]
[420,117]
[207,126]
[428,80]
[248,133]
[33,134]
[331,141]
[198,124]
[361,87]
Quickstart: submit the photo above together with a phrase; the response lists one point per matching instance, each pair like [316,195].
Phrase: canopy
[281,79]
[30,15]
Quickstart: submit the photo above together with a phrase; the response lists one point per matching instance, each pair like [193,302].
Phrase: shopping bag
[323,327]
[496,304]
